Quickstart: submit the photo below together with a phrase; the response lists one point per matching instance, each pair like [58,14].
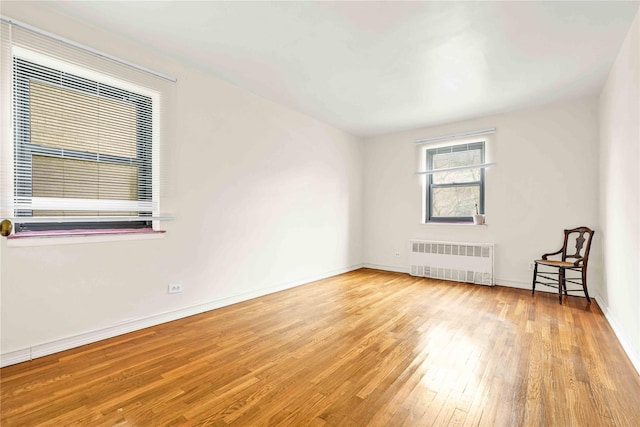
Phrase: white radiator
[460,262]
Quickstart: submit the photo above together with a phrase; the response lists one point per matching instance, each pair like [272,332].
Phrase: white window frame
[430,184]
[485,135]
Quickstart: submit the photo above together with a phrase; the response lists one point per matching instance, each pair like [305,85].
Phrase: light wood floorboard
[366,348]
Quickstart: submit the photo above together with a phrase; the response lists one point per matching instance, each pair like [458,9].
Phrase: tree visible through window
[455,188]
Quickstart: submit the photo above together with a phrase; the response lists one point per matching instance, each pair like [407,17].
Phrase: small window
[455,189]
[83,149]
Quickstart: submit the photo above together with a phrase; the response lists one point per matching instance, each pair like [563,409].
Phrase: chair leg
[584,284]
[560,284]
[535,277]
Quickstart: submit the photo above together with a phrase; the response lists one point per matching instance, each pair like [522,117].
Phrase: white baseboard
[14,357]
[39,350]
[498,282]
[386,268]
[524,285]
[622,339]
[514,284]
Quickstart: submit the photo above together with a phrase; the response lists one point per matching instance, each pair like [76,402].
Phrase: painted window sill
[453,224]
[63,237]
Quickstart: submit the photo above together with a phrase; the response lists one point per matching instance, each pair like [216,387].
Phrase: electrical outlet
[174,288]
[531,265]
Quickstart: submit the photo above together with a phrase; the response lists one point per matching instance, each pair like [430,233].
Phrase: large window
[82,149]
[455,188]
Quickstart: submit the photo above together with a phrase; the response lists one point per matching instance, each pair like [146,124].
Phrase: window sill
[453,224]
[65,237]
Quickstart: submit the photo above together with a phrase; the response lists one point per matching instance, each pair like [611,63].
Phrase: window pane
[455,201]
[457,159]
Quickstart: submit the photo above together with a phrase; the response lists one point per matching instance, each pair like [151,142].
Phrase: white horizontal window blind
[83,148]
[439,169]
[86,136]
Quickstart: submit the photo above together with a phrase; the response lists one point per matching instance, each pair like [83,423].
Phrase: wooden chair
[557,278]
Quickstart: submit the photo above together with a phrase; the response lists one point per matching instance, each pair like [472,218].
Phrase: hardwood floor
[367,348]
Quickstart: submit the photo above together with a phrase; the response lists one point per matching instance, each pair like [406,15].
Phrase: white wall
[545,181]
[620,193]
[263,198]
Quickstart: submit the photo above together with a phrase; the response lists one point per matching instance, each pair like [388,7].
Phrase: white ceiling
[378,67]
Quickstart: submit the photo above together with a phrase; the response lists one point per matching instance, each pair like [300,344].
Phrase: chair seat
[553,263]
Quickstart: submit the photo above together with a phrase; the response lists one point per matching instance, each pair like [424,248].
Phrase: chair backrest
[577,243]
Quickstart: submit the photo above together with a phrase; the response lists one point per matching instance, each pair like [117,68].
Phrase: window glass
[455,201]
[457,159]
